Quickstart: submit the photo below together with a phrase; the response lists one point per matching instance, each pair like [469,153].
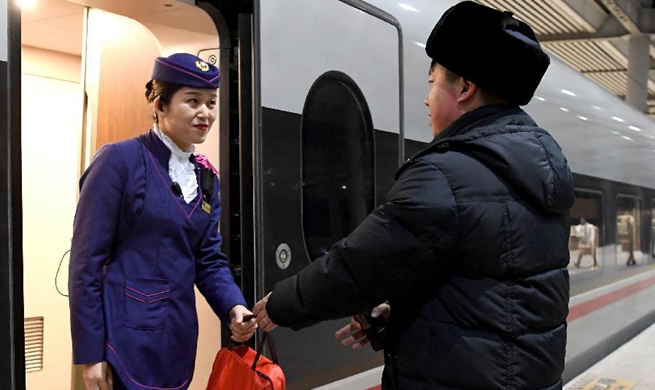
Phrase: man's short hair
[487,98]
[490,48]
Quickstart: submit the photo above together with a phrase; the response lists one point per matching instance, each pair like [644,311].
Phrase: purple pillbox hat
[490,48]
[186,70]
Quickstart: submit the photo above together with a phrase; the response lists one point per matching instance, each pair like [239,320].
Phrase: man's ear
[467,91]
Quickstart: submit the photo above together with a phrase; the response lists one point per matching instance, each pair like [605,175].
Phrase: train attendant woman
[146,232]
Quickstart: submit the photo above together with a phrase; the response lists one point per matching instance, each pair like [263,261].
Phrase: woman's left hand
[241,330]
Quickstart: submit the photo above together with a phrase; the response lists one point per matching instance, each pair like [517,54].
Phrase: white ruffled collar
[180,168]
[172,146]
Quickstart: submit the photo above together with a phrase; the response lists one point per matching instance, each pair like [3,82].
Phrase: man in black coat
[470,248]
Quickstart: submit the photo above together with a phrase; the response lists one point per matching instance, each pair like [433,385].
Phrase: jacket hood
[509,142]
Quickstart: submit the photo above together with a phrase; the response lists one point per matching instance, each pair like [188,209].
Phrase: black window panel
[587,205]
[628,231]
[338,161]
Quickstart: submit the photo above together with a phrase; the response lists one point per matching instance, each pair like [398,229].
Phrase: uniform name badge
[206,207]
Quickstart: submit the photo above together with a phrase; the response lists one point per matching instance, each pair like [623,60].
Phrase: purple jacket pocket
[146,303]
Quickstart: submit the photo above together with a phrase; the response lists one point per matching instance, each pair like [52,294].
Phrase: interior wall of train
[84,69]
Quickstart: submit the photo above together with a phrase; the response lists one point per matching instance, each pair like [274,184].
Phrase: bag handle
[271,347]
[260,348]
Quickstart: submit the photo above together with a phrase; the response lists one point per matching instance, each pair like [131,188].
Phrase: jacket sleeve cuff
[222,298]
[92,351]
[285,307]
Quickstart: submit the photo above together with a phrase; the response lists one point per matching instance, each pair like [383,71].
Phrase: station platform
[630,367]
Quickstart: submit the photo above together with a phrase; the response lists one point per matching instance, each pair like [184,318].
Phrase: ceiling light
[635,128]
[419,44]
[616,118]
[626,138]
[26,4]
[567,92]
[564,109]
[615,132]
[540,98]
[408,7]
[584,118]
[596,108]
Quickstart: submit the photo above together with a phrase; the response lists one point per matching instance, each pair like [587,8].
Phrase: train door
[11,268]
[85,66]
[326,151]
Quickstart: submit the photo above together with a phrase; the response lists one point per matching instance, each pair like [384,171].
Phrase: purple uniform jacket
[137,251]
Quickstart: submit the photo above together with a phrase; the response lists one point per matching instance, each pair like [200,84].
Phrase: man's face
[442,99]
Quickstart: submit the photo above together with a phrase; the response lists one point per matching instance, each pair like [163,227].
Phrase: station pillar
[638,68]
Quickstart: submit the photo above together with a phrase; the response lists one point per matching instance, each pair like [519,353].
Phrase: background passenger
[586,233]
[146,231]
[470,248]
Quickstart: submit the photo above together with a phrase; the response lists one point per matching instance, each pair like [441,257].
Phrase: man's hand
[262,316]
[97,376]
[356,336]
[241,330]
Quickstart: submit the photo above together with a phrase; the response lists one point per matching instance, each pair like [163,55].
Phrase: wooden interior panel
[126,59]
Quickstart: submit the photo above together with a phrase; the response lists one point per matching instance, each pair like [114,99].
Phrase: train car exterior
[599,134]
[320,102]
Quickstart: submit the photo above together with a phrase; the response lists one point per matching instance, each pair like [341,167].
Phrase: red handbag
[241,368]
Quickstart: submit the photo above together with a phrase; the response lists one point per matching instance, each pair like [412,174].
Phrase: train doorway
[85,66]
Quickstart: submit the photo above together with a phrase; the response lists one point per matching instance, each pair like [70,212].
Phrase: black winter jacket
[470,249]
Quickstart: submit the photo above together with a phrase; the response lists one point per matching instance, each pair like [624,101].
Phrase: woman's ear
[159,108]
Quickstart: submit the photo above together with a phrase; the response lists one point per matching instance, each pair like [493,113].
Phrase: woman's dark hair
[164,91]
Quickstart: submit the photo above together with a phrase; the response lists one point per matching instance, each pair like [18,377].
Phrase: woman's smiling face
[189,116]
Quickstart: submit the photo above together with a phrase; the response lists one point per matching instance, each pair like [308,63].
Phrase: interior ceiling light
[635,128]
[567,92]
[616,118]
[26,4]
[584,118]
[564,109]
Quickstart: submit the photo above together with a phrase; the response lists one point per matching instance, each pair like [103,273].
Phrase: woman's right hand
[98,376]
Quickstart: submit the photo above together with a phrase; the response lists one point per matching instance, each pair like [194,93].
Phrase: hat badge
[202,66]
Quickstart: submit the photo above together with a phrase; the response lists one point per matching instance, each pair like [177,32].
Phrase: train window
[628,232]
[338,161]
[586,233]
